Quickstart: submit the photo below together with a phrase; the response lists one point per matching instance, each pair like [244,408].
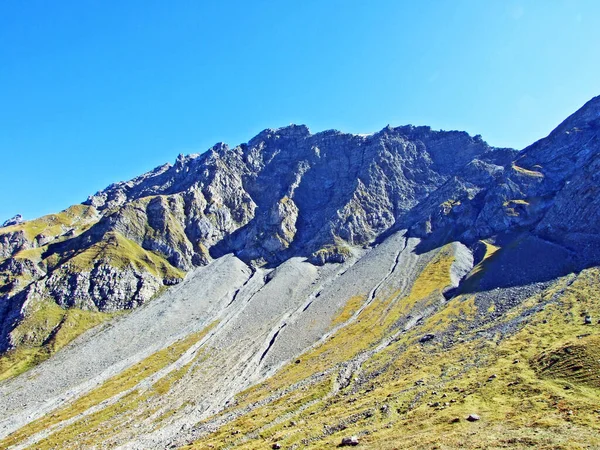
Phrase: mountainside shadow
[518,259]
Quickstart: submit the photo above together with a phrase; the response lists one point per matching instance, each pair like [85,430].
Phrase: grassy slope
[48,327]
[410,394]
[43,332]
[528,389]
[96,426]
[53,227]
[120,253]
[79,217]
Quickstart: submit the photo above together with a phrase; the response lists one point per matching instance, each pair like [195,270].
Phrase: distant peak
[588,114]
[220,147]
[15,220]
[294,129]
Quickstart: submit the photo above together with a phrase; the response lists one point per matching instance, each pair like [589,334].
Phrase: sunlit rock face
[289,193]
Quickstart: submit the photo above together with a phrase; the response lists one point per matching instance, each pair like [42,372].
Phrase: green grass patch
[527,172]
[115,385]
[54,224]
[516,384]
[120,253]
[45,329]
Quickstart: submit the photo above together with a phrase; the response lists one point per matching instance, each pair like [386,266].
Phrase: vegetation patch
[120,253]
[527,172]
[348,310]
[411,395]
[115,385]
[337,253]
[45,329]
[575,362]
[52,225]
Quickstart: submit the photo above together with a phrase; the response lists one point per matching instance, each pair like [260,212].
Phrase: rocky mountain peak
[15,220]
[588,116]
[331,269]
[290,193]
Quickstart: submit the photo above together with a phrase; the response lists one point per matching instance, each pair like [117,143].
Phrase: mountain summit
[302,287]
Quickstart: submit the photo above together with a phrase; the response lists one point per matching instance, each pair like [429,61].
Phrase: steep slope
[548,189]
[327,285]
[270,315]
[286,193]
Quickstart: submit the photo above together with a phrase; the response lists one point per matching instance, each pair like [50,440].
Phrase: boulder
[427,338]
[349,441]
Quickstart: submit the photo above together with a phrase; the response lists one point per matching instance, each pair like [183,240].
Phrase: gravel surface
[265,318]
[102,353]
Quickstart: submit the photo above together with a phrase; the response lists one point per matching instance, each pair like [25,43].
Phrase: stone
[349,441]
[473,418]
[276,446]
[426,338]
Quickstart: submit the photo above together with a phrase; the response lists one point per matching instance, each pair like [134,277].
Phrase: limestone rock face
[12,242]
[289,193]
[549,189]
[103,288]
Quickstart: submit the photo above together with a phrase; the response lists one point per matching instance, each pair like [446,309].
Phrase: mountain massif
[410,288]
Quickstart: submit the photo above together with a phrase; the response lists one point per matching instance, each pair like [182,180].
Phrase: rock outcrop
[15,220]
[289,193]
[330,288]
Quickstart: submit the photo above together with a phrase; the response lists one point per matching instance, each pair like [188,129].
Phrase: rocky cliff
[285,193]
[333,246]
[288,193]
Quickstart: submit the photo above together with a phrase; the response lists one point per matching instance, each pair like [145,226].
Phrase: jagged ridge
[528,218]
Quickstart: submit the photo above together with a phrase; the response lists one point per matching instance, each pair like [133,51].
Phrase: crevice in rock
[271,343]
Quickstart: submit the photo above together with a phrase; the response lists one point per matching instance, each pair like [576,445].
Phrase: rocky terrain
[301,289]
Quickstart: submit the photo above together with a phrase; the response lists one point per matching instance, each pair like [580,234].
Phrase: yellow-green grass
[521,403]
[134,407]
[54,224]
[333,249]
[120,253]
[448,205]
[371,326]
[511,205]
[45,329]
[77,218]
[348,310]
[475,275]
[527,172]
[120,383]
[576,361]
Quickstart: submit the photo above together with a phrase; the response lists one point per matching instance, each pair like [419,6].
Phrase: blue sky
[93,92]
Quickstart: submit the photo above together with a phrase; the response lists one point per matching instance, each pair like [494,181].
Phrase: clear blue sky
[93,92]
